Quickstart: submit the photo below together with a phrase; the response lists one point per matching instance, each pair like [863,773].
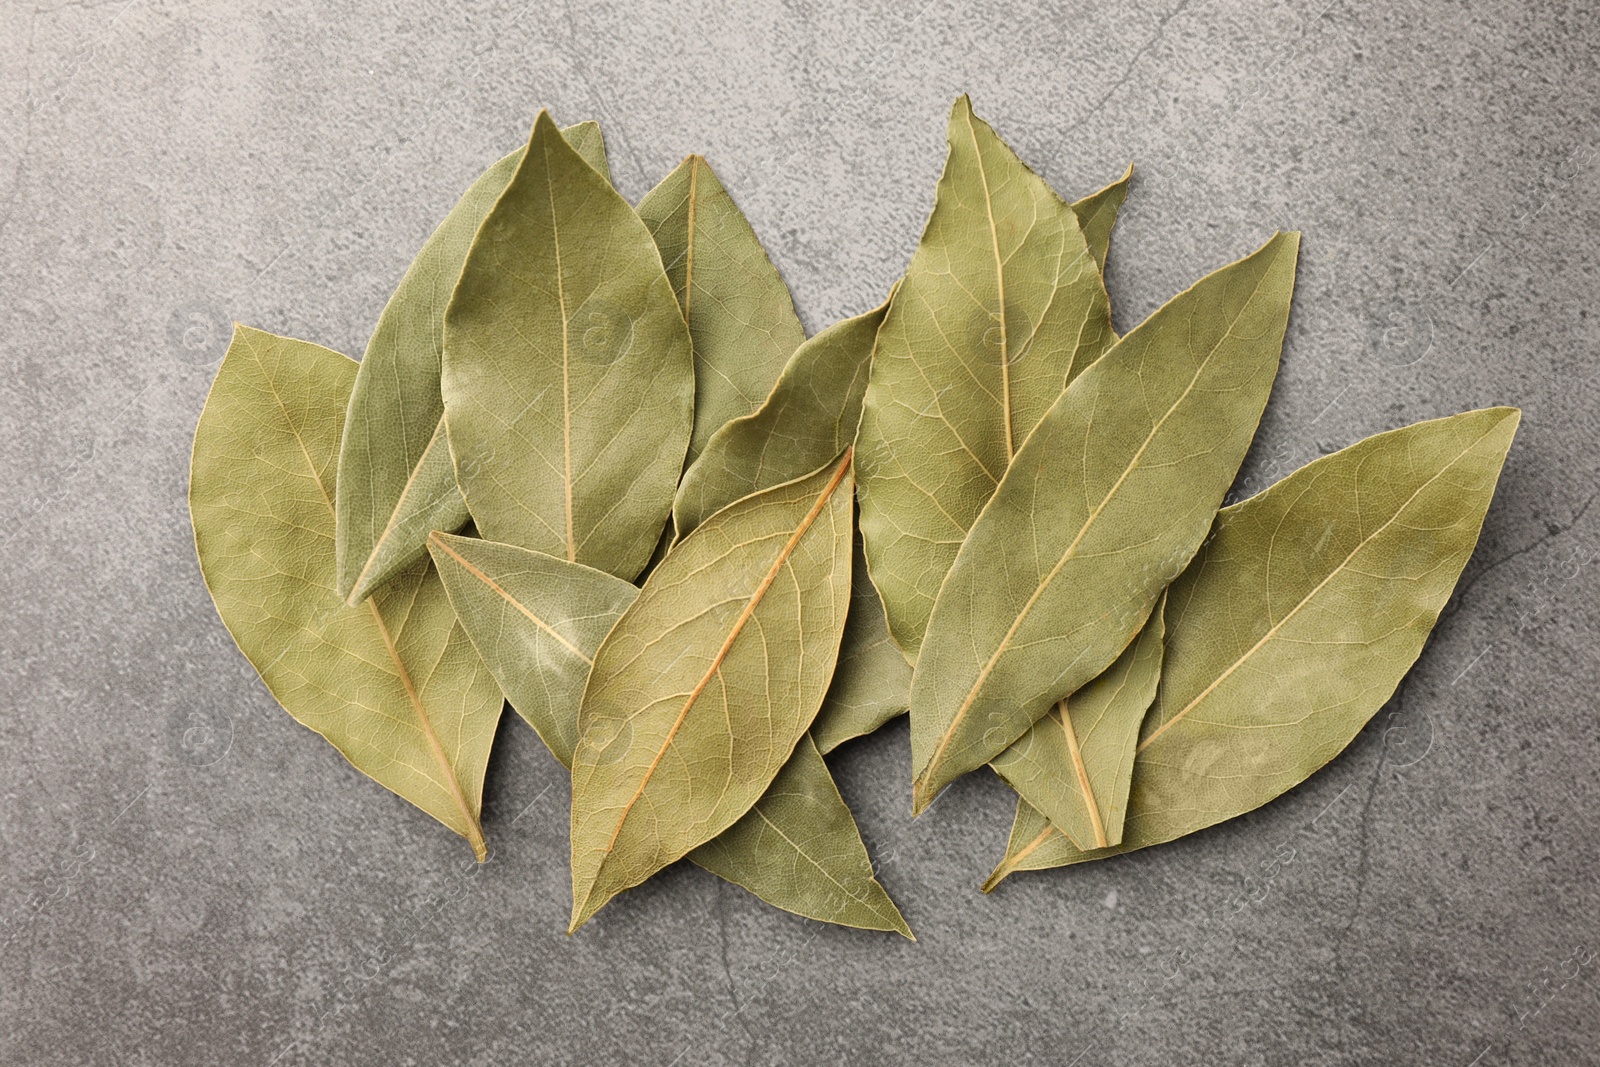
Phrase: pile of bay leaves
[591,465]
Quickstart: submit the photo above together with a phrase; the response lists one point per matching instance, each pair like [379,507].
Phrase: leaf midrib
[1084,787]
[688,239]
[566,356]
[1011,864]
[1000,286]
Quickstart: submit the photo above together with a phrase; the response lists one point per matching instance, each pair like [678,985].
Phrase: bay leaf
[739,310]
[397,481]
[799,849]
[1001,306]
[809,418]
[1087,528]
[703,688]
[1034,845]
[1297,621]
[537,622]
[1075,764]
[1097,216]
[393,683]
[872,681]
[568,380]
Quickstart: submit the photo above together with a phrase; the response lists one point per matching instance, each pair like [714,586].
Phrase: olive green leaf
[1297,621]
[1102,507]
[872,682]
[807,420]
[393,683]
[537,622]
[1001,306]
[739,311]
[567,375]
[1034,845]
[798,849]
[702,689]
[396,479]
[1097,216]
[1074,764]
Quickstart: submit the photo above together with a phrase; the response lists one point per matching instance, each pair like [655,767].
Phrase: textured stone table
[190,877]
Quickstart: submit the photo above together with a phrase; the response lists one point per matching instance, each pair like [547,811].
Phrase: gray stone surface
[190,877]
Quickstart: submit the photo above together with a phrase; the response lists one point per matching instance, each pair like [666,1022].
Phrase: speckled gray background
[190,877]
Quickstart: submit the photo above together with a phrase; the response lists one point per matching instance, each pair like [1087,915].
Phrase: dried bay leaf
[1104,504]
[739,311]
[872,681]
[537,621]
[568,379]
[1001,305]
[799,849]
[1297,621]
[700,693]
[1074,765]
[397,481]
[1097,216]
[393,682]
[1034,845]
[809,418]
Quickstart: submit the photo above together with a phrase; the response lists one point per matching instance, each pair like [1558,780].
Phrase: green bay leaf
[872,681]
[1075,764]
[739,311]
[537,622]
[1033,845]
[1297,621]
[568,379]
[809,417]
[798,849]
[1097,216]
[393,682]
[1001,306]
[703,688]
[397,481]
[1101,508]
